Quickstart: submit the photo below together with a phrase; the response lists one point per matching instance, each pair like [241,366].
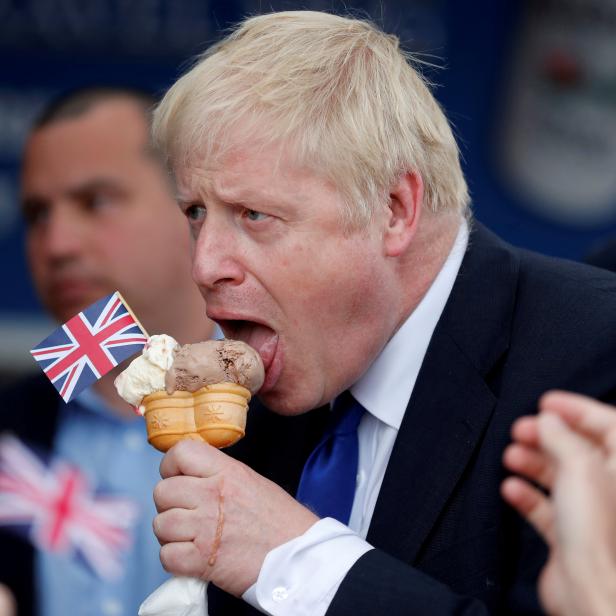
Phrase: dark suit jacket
[29,410]
[603,255]
[515,325]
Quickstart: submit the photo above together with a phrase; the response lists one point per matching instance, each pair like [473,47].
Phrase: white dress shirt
[302,576]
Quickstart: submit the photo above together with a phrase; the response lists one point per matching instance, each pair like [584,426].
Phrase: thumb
[193,458]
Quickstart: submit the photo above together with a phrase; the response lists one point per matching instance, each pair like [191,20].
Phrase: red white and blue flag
[89,345]
[55,508]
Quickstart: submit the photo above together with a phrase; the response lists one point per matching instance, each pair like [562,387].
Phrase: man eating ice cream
[332,234]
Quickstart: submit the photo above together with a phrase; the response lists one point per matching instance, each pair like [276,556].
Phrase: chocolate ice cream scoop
[215,361]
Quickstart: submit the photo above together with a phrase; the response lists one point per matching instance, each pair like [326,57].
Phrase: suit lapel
[451,403]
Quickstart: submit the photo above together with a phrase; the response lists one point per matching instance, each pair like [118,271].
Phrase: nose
[218,257]
[62,234]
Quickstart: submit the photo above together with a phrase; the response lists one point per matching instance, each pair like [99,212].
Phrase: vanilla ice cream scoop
[215,361]
[146,373]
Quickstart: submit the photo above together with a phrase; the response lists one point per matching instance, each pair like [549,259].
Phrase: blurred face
[278,272]
[100,215]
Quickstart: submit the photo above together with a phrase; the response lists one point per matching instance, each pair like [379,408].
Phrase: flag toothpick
[89,345]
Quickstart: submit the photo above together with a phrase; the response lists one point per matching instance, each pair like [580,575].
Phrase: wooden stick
[132,314]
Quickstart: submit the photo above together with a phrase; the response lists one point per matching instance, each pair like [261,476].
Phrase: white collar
[385,389]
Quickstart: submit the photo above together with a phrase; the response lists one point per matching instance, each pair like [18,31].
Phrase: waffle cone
[169,418]
[220,413]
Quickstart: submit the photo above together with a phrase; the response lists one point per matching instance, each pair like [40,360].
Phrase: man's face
[99,213]
[277,271]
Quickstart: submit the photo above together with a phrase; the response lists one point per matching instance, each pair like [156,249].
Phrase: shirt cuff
[301,577]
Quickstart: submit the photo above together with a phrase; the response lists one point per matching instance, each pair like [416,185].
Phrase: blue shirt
[113,452]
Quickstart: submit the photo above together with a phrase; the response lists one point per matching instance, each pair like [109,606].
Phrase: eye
[195,213]
[254,215]
[35,212]
[97,200]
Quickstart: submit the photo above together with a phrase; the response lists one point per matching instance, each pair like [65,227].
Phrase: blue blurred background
[530,87]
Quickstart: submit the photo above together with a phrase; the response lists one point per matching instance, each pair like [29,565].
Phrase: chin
[64,314]
[289,404]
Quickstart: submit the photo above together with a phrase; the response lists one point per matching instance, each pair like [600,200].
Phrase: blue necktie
[327,484]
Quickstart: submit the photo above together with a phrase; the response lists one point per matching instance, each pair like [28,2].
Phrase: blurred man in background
[100,217]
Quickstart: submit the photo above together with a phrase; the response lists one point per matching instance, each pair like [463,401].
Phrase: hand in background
[7,602]
[569,449]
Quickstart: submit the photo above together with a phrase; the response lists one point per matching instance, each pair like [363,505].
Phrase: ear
[404,212]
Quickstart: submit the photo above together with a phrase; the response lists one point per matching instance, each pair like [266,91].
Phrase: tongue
[261,338]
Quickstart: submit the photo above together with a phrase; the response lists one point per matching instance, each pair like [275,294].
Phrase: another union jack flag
[57,511]
[89,345]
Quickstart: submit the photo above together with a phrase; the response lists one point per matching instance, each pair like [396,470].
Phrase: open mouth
[260,337]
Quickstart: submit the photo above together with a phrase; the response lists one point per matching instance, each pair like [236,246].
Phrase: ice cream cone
[169,418]
[220,413]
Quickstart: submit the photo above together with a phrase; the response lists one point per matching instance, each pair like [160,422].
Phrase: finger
[175,525]
[530,503]
[181,491]
[609,442]
[183,559]
[524,430]
[188,457]
[586,415]
[560,442]
[7,602]
[532,463]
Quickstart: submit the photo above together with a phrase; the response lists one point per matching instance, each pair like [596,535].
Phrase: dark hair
[74,103]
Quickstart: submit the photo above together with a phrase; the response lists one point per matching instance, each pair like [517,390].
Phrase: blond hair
[338,92]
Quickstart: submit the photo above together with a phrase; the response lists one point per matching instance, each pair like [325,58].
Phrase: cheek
[168,234]
[305,281]
[119,255]
[117,246]
[32,253]
[330,291]
[35,257]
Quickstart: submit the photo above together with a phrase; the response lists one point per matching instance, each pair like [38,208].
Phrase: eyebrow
[248,197]
[183,202]
[247,204]
[97,184]
[91,186]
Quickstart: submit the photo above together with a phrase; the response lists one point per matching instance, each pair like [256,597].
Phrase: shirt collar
[385,389]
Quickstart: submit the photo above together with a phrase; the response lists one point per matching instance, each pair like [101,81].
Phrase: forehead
[103,139]
[244,172]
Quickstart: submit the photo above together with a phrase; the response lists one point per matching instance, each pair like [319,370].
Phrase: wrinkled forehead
[242,166]
[190,177]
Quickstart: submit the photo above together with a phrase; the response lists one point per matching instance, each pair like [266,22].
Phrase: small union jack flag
[89,345]
[57,511]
